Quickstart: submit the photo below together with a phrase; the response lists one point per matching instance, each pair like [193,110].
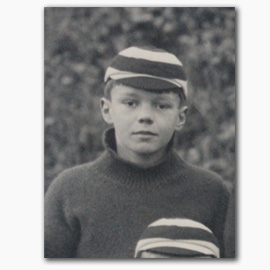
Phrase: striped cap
[148,69]
[178,238]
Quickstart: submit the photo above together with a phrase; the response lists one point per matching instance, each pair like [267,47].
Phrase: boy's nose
[145,115]
[146,120]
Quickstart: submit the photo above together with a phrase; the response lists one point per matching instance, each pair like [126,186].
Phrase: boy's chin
[144,152]
[147,150]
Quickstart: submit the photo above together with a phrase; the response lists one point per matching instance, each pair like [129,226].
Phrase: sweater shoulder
[75,176]
[203,176]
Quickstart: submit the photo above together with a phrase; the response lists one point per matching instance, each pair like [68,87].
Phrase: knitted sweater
[100,209]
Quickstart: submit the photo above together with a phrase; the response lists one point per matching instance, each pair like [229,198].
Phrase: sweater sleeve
[60,238]
[220,217]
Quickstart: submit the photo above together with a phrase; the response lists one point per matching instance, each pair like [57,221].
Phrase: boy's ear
[181,118]
[105,106]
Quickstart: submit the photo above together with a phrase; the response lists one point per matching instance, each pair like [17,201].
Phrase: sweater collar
[120,169]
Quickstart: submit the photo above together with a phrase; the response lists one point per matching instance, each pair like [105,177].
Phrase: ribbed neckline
[114,167]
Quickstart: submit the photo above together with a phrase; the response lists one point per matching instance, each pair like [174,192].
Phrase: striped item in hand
[178,237]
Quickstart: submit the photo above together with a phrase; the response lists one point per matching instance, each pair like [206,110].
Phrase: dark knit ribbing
[100,209]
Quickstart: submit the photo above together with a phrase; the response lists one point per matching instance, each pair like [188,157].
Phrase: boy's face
[144,121]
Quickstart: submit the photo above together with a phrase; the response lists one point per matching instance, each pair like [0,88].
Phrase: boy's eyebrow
[157,97]
[130,95]
[163,98]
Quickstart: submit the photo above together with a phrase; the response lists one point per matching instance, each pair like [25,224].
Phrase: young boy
[100,209]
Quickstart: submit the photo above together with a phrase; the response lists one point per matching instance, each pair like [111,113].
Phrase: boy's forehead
[128,91]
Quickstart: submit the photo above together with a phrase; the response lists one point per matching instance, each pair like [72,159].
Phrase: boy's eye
[130,103]
[163,106]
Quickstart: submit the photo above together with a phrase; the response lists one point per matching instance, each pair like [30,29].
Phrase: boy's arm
[220,218]
[59,237]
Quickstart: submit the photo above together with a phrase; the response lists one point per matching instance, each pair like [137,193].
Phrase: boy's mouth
[144,132]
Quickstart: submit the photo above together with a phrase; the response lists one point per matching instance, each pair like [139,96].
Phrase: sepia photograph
[140,132]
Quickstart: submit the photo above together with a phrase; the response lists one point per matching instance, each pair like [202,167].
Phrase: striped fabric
[148,68]
[178,238]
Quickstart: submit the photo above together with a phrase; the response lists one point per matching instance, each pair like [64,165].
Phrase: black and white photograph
[139,132]
[134,135]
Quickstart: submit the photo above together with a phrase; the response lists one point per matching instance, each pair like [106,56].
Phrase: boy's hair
[112,83]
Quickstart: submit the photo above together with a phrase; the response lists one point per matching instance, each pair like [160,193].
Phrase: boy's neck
[142,160]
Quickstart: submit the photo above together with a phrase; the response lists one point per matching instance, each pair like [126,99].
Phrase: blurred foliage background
[81,42]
